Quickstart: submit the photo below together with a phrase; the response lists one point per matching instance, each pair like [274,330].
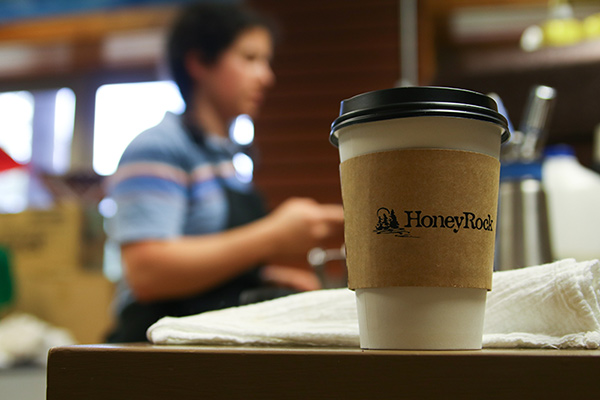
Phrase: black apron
[136,318]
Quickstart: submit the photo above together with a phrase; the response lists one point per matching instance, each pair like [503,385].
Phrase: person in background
[192,236]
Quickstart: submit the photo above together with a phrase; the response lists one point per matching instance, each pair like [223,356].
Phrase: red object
[6,161]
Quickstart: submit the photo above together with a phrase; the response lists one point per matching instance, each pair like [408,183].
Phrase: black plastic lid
[418,101]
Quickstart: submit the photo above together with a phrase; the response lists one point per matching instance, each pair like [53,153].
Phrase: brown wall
[330,50]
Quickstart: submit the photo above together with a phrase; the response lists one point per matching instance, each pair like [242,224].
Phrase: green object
[6,281]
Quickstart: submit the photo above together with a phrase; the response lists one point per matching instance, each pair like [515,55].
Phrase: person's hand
[299,224]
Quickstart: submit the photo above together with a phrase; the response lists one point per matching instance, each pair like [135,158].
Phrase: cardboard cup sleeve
[420,217]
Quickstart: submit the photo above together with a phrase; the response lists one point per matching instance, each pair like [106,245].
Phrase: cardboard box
[93,238]
[78,302]
[44,242]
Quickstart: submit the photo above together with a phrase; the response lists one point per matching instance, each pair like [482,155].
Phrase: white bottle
[573,195]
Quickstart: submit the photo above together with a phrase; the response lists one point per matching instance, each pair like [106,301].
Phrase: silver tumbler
[523,237]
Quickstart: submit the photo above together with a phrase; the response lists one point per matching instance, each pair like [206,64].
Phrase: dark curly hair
[208,29]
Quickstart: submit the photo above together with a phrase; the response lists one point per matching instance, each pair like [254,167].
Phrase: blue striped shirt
[168,186]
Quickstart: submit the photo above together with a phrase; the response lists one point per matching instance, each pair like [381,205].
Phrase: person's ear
[194,65]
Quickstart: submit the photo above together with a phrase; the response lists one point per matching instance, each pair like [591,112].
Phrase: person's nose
[267,76]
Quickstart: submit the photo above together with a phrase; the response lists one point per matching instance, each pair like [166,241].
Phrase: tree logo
[387,223]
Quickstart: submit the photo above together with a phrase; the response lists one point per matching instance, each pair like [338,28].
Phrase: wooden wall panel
[330,50]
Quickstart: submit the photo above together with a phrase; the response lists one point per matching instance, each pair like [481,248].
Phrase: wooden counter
[144,371]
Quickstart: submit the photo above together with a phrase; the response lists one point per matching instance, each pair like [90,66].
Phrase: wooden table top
[145,371]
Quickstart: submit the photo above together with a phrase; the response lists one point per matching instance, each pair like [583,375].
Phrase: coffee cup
[420,176]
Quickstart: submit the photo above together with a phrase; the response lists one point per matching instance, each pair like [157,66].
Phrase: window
[123,111]
[64,118]
[37,127]
[16,124]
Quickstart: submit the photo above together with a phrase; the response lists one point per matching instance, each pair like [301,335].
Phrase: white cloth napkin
[553,305]
[317,318]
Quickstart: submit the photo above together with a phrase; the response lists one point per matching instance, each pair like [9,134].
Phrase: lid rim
[416,102]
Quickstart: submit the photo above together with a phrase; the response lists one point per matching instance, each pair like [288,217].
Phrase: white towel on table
[553,305]
[317,318]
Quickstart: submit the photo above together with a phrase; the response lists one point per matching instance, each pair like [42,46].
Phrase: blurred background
[79,80]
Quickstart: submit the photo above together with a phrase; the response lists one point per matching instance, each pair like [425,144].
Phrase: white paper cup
[417,316]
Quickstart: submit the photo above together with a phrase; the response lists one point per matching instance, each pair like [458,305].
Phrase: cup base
[421,318]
